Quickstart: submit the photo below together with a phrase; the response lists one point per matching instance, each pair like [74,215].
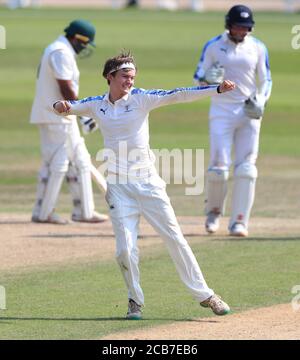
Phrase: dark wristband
[218,90]
[55,104]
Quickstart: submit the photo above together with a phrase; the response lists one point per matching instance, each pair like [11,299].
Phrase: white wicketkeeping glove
[215,74]
[254,107]
[88,125]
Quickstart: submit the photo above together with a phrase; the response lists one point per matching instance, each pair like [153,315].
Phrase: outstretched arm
[156,98]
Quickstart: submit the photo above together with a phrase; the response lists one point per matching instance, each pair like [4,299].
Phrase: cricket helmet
[239,15]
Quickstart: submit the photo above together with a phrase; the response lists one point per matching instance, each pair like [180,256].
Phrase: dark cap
[81,29]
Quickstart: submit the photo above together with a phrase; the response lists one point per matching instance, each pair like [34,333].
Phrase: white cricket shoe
[238,229]
[212,222]
[96,218]
[53,218]
[134,311]
[218,306]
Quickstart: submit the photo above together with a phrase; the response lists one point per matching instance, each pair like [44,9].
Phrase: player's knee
[218,174]
[43,174]
[246,170]
[123,256]
[83,166]
[82,158]
[59,166]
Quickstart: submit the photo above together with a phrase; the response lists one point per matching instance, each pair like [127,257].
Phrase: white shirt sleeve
[206,61]
[62,65]
[152,99]
[264,73]
[84,107]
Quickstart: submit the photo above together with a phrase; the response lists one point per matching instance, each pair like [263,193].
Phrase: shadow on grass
[6,320]
[99,235]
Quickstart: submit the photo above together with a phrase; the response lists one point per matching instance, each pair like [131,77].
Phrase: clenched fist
[62,107]
[226,85]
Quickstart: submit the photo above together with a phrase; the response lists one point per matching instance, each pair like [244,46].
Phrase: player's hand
[215,74]
[226,85]
[62,106]
[254,107]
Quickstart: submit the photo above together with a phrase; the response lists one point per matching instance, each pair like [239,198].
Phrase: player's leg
[245,174]
[53,139]
[221,139]
[82,196]
[216,191]
[125,215]
[74,188]
[158,211]
[81,190]
[43,177]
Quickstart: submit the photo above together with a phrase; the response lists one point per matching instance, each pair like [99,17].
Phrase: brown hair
[115,62]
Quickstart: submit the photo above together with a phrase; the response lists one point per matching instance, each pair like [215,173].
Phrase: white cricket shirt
[245,63]
[126,122]
[58,62]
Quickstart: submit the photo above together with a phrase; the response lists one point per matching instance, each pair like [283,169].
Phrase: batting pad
[40,190]
[216,190]
[72,178]
[243,193]
[86,190]
[51,194]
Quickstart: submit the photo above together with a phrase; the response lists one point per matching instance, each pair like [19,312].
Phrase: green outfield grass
[79,302]
[88,301]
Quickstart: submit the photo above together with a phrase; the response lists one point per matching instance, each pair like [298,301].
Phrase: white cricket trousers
[148,197]
[229,126]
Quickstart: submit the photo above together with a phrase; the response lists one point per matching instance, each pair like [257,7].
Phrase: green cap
[81,29]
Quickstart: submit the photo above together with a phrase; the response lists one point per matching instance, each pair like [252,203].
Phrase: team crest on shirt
[127,109]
